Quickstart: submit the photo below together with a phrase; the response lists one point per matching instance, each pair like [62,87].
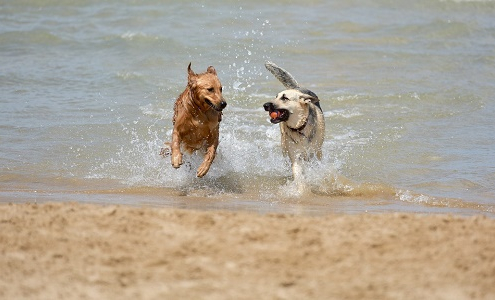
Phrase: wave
[32,38]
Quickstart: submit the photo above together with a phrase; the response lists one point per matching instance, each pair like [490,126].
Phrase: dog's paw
[177,160]
[203,169]
[164,152]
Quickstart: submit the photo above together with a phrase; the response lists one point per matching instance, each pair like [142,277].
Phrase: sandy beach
[85,251]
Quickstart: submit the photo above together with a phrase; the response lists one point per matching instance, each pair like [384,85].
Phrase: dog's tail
[282,75]
[288,81]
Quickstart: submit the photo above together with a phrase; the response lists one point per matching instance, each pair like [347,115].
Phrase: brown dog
[197,116]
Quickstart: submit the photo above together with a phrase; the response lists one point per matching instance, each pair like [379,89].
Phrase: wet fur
[303,130]
[197,116]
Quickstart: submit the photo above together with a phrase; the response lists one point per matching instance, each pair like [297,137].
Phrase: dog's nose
[223,104]
[268,106]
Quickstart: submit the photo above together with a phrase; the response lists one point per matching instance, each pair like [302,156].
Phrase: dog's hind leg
[166,150]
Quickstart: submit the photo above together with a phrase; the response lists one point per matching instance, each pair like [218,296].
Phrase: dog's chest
[295,137]
[208,121]
[201,125]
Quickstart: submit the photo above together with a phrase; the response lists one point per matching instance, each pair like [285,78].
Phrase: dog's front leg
[297,170]
[209,155]
[208,160]
[299,165]
[205,166]
[176,154]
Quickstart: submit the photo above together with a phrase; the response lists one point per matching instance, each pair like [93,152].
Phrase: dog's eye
[210,90]
[284,98]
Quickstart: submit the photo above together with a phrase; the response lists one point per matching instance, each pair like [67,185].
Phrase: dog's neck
[300,125]
[195,108]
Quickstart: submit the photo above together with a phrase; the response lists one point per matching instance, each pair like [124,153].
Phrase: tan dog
[197,116]
[302,124]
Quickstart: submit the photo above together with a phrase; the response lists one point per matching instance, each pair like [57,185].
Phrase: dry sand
[81,251]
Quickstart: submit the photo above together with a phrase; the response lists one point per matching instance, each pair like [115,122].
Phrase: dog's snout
[268,106]
[223,104]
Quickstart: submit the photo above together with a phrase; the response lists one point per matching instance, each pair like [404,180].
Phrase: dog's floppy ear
[309,98]
[191,76]
[211,70]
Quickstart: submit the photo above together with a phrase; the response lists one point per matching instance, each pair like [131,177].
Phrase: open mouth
[278,115]
[217,108]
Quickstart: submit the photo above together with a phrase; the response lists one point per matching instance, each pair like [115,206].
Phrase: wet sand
[86,251]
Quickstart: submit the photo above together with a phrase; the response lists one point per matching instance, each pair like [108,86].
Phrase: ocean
[87,90]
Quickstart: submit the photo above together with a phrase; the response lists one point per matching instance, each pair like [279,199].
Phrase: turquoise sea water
[408,91]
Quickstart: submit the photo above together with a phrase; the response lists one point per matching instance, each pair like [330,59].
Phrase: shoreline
[77,251]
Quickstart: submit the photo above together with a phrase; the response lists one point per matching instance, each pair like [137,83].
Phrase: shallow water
[87,92]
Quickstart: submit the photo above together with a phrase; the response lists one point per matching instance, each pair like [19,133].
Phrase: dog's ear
[306,98]
[211,70]
[191,76]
